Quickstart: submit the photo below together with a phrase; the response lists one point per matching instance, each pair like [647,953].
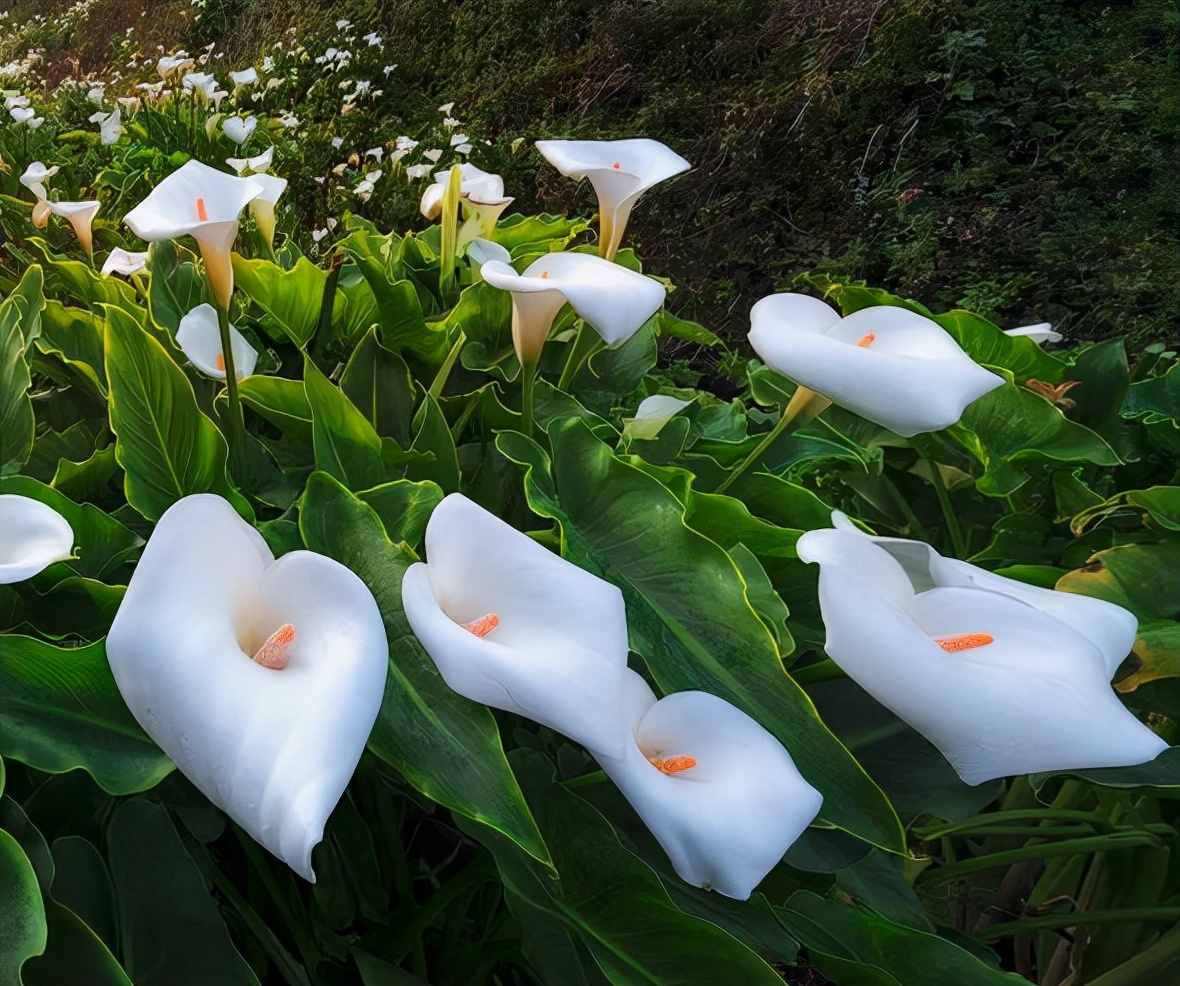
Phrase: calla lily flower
[480,251]
[719,792]
[516,627]
[110,125]
[22,114]
[255,165]
[79,214]
[200,340]
[262,208]
[237,129]
[32,537]
[125,262]
[261,679]
[246,77]
[130,104]
[1040,333]
[614,300]
[204,82]
[35,176]
[480,192]
[1004,678]
[652,414]
[619,170]
[202,202]
[173,63]
[888,364]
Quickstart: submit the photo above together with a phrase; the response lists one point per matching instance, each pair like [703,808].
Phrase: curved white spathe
[619,170]
[237,129]
[35,176]
[652,414]
[32,537]
[888,364]
[204,82]
[480,192]
[262,208]
[110,125]
[200,340]
[125,262]
[737,801]
[1040,333]
[1021,679]
[615,301]
[202,202]
[557,648]
[246,77]
[480,251]
[273,748]
[169,64]
[257,165]
[80,215]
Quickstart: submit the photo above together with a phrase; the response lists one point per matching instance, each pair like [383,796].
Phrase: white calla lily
[202,202]
[262,208]
[110,125]
[258,164]
[1004,678]
[480,251]
[32,537]
[200,340]
[719,792]
[125,262]
[1040,333]
[35,176]
[480,192]
[272,740]
[246,77]
[204,82]
[169,64]
[80,215]
[888,364]
[237,129]
[516,627]
[22,114]
[619,170]
[614,300]
[652,414]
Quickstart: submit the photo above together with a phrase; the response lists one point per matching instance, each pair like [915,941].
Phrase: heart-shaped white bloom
[652,414]
[1040,333]
[1004,678]
[619,170]
[204,203]
[237,129]
[22,114]
[271,741]
[201,82]
[173,63]
[11,101]
[125,262]
[516,627]
[32,537]
[614,300]
[887,364]
[246,77]
[718,791]
[200,340]
[35,176]
[258,164]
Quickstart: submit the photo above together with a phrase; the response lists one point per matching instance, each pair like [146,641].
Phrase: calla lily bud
[1040,333]
[719,792]
[620,171]
[199,338]
[32,537]
[652,414]
[516,627]
[614,300]
[1004,678]
[261,679]
[888,364]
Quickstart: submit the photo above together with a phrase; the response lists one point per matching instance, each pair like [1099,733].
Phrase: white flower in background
[416,171]
[446,108]
[376,153]
[619,170]
[258,164]
[481,193]
[457,139]
[125,262]
[22,114]
[288,120]
[35,176]
[373,39]
[260,679]
[337,142]
[364,188]
[514,626]
[80,215]
[432,155]
[169,64]
[344,24]
[199,338]
[262,208]
[1003,677]
[652,414]
[32,537]
[613,300]
[110,126]
[388,70]
[129,104]
[318,234]
[11,102]
[97,94]
[268,64]
[402,147]
[720,794]
[246,77]
[1040,333]
[35,123]
[200,82]
[237,129]
[888,364]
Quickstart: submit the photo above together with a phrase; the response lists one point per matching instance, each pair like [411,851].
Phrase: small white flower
[246,77]
[377,153]
[446,107]
[432,155]
[388,70]
[337,142]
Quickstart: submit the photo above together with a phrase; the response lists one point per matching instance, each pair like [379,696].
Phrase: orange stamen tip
[964,641]
[273,653]
[672,765]
[483,626]
[544,273]
[617,166]
[865,341]
[220,362]
[202,212]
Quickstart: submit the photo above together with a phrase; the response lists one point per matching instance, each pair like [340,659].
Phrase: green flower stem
[915,528]
[948,511]
[982,823]
[528,383]
[444,371]
[804,405]
[1072,918]
[235,432]
[448,234]
[585,345]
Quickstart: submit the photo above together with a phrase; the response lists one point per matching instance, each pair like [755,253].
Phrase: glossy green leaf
[292,298]
[379,383]
[19,326]
[404,508]
[1157,397]
[432,437]
[1139,577]
[23,932]
[346,446]
[75,954]
[1156,654]
[280,401]
[75,279]
[75,335]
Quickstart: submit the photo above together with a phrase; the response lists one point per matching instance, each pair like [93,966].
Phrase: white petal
[247,77]
[125,262]
[432,198]
[273,749]
[560,649]
[32,537]
[641,163]
[791,312]
[728,820]
[1040,333]
[199,340]
[652,414]
[272,187]
[171,209]
[480,251]
[237,129]
[35,174]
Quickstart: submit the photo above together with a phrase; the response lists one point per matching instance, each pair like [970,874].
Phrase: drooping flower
[35,176]
[480,192]
[199,338]
[80,215]
[261,679]
[32,537]
[202,202]
[1040,333]
[888,364]
[516,627]
[237,129]
[262,208]
[125,262]
[1004,678]
[719,792]
[614,300]
[619,170]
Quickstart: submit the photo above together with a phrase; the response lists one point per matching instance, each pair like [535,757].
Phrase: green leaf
[77,280]
[1156,397]
[171,930]
[176,287]
[60,710]
[540,233]
[167,447]
[446,746]
[75,954]
[379,383]
[401,321]
[19,326]
[404,508]
[75,335]
[292,298]
[23,931]
[985,342]
[688,611]
[433,437]
[1157,653]
[1138,577]
[280,401]
[346,446]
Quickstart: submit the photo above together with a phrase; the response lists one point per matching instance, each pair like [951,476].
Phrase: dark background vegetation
[1016,157]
